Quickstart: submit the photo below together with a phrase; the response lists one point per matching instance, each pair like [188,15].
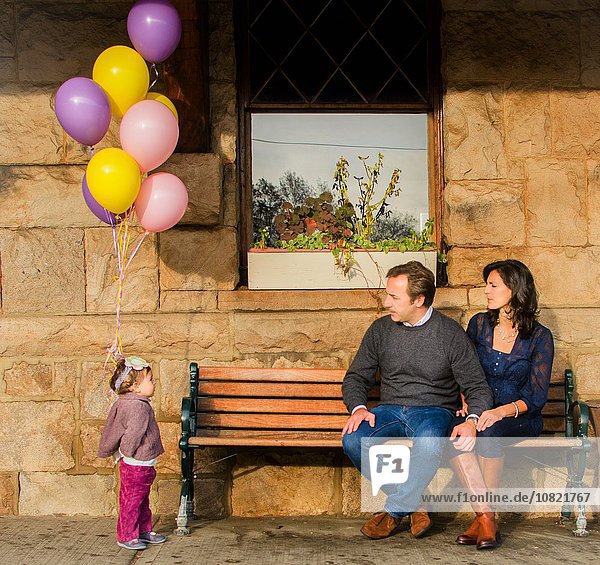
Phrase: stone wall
[522,180]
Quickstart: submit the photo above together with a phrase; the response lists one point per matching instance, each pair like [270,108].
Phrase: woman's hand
[489,418]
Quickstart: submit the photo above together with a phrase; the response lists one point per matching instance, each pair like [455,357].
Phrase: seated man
[425,360]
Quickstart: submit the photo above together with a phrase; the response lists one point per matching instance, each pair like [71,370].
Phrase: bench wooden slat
[250,438]
[553,409]
[269,421]
[277,375]
[554,424]
[556,393]
[267,406]
[279,390]
[262,438]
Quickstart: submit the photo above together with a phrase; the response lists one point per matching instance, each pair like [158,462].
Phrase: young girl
[131,434]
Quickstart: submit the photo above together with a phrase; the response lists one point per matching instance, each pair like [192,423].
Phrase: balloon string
[155,71]
[122,241]
[91,150]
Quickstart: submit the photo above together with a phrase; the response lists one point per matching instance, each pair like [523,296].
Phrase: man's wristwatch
[473,417]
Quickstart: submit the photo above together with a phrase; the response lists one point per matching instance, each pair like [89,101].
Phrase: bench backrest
[241,398]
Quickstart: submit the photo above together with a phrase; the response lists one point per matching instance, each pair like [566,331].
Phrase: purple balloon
[83,110]
[98,211]
[154,27]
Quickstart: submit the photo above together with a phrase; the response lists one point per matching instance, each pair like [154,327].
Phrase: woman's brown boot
[489,536]
[470,535]
[469,474]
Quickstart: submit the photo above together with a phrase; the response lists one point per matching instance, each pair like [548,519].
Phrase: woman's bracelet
[516,408]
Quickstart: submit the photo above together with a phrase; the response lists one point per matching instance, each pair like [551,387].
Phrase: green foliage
[316,223]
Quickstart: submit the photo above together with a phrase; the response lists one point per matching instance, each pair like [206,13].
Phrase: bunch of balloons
[149,128]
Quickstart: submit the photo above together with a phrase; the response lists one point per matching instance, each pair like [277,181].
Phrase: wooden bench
[234,406]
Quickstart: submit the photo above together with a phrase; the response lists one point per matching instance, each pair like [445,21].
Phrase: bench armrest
[584,418]
[187,421]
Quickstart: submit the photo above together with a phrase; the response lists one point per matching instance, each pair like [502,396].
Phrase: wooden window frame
[245,109]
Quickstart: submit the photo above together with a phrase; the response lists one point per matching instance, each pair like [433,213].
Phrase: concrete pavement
[297,541]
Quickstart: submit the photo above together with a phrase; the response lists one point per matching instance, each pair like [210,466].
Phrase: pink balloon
[149,133]
[162,201]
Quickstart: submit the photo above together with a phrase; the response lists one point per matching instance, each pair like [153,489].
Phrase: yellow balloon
[113,178]
[163,100]
[123,74]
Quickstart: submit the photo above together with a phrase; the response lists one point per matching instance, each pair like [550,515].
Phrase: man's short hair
[420,280]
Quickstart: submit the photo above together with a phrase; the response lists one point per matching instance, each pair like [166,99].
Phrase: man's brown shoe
[381,526]
[420,523]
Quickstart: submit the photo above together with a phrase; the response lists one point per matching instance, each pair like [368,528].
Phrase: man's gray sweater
[428,365]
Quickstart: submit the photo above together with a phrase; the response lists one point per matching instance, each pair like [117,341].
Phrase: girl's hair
[524,301]
[134,376]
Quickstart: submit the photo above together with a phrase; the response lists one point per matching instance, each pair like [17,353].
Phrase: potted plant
[327,241]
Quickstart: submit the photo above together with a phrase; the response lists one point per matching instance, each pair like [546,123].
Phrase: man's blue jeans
[427,426]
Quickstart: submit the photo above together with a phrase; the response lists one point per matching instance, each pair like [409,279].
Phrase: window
[330,78]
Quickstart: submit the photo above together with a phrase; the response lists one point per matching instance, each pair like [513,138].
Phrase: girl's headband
[131,362]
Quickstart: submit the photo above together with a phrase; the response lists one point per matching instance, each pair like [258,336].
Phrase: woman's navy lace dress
[523,374]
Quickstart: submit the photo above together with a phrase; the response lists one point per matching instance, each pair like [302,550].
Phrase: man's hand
[466,433]
[356,418]
[464,411]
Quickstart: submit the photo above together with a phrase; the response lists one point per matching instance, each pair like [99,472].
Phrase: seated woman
[516,353]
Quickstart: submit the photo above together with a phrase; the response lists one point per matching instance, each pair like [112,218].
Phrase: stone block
[590,49]
[170,460]
[167,500]
[587,384]
[25,140]
[35,196]
[60,41]
[549,265]
[42,270]
[8,69]
[95,395]
[561,362]
[188,300]
[313,300]
[351,492]
[575,122]
[90,439]
[221,43]
[65,375]
[556,202]
[446,297]
[24,379]
[36,436]
[209,498]
[9,493]
[528,131]
[297,484]
[140,285]
[465,265]
[484,213]
[198,259]
[223,111]
[230,196]
[474,136]
[572,327]
[593,182]
[554,5]
[43,494]
[8,40]
[477,298]
[300,331]
[202,175]
[542,46]
[185,335]
[174,384]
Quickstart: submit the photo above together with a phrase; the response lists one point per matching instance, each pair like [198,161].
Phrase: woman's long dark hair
[524,301]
